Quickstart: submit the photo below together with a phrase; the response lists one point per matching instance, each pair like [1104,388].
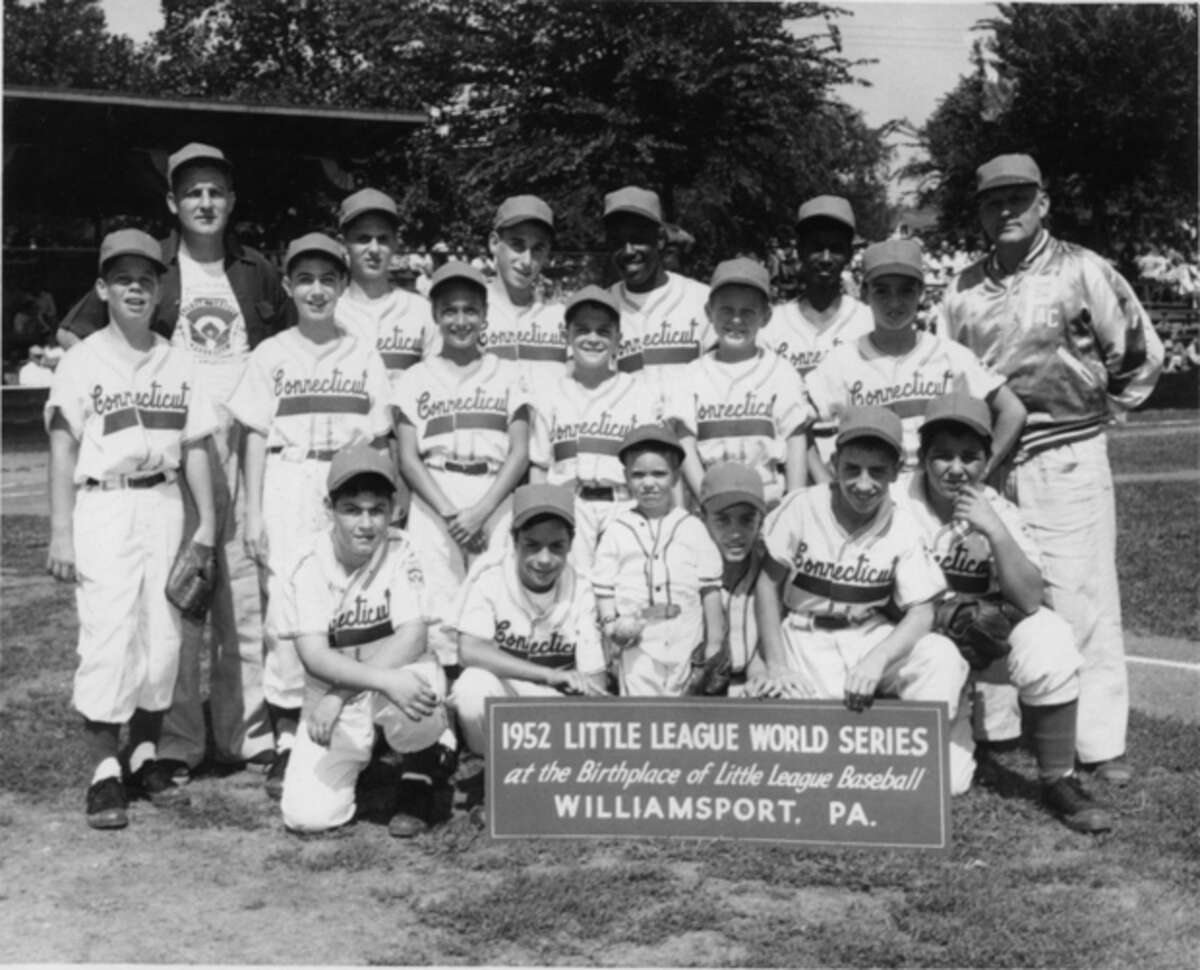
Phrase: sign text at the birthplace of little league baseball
[797,772]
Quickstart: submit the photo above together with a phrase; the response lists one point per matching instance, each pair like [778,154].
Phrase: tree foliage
[1104,96]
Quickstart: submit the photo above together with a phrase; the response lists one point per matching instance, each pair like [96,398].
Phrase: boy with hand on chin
[839,554]
[657,575]
[355,604]
[125,415]
[738,402]
[526,621]
[305,393]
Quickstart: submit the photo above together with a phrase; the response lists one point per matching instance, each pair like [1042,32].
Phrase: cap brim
[532,513]
[723,500]
[934,423]
[894,269]
[636,211]
[858,434]
[1004,181]
[162,267]
[349,217]
[362,473]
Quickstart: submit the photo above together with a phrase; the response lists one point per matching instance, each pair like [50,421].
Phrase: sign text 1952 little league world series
[806,772]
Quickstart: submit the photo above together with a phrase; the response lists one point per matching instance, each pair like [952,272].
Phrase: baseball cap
[650,434]
[454,269]
[315,242]
[878,423]
[1007,170]
[958,408]
[358,458]
[196,152]
[131,242]
[533,500]
[743,272]
[641,202]
[731,483]
[523,208]
[593,294]
[901,257]
[367,200]
[827,207]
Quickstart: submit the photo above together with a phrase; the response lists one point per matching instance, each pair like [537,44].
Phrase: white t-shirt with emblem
[210,325]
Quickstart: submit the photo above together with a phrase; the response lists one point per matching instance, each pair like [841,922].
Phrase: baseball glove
[710,677]
[192,579]
[979,628]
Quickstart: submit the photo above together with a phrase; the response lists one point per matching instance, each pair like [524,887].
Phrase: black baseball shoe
[107,804]
[1075,807]
[275,774]
[155,781]
[415,796]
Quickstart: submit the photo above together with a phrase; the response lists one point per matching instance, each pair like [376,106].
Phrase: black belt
[317,454]
[824,431]
[831,621]
[148,482]
[467,467]
[596,493]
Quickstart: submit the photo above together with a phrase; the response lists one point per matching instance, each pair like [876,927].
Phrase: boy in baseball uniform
[305,393]
[526,621]
[985,552]
[657,576]
[521,326]
[355,604]
[462,435]
[663,322]
[737,402]
[733,506]
[839,553]
[902,368]
[582,416]
[392,319]
[125,418]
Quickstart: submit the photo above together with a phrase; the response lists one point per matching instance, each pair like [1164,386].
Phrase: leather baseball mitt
[710,677]
[980,628]
[192,579]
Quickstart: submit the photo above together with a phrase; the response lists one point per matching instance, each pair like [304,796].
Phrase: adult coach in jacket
[219,300]
[1068,333]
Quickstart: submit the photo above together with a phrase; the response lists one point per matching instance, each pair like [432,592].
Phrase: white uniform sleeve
[407,583]
[919,578]
[539,430]
[519,395]
[202,417]
[253,400]
[780,531]
[475,612]
[304,608]
[975,378]
[379,389]
[1013,521]
[825,389]
[709,565]
[606,564]
[679,400]
[794,411]
[589,654]
[65,388]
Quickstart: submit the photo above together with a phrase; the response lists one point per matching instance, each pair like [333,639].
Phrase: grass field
[222,882]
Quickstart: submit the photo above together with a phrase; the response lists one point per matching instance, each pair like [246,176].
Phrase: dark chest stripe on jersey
[658,356]
[356,636]
[172,420]
[324,404]
[466,421]
[116,421]
[967,583]
[542,352]
[734,428]
[631,363]
[399,359]
[588,446]
[841,592]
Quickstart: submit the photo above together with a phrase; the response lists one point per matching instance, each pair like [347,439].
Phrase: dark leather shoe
[107,804]
[275,774]
[153,780]
[1075,808]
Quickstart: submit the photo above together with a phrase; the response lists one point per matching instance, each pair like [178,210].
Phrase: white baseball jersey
[860,375]
[742,412]
[662,330]
[459,416]
[966,560]
[577,430]
[531,335]
[399,325]
[659,569]
[357,611]
[803,335]
[131,412]
[311,396]
[554,629]
[832,571]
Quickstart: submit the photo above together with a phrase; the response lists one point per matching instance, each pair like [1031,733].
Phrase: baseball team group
[660,488]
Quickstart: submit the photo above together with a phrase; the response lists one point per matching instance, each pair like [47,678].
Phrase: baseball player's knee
[934,670]
[468,700]
[1044,663]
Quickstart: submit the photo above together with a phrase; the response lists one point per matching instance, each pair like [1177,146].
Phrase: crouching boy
[838,555]
[979,540]
[354,603]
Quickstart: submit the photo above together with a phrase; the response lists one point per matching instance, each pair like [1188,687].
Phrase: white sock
[449,739]
[284,742]
[144,752]
[108,768]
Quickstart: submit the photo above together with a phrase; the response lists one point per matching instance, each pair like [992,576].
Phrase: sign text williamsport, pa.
[809,772]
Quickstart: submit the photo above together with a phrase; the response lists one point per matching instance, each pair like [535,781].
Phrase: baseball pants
[240,726]
[293,514]
[318,789]
[1066,497]
[1041,669]
[641,675]
[933,670]
[125,543]
[468,699]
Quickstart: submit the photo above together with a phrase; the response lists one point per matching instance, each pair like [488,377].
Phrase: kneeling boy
[355,605]
[985,553]
[839,554]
